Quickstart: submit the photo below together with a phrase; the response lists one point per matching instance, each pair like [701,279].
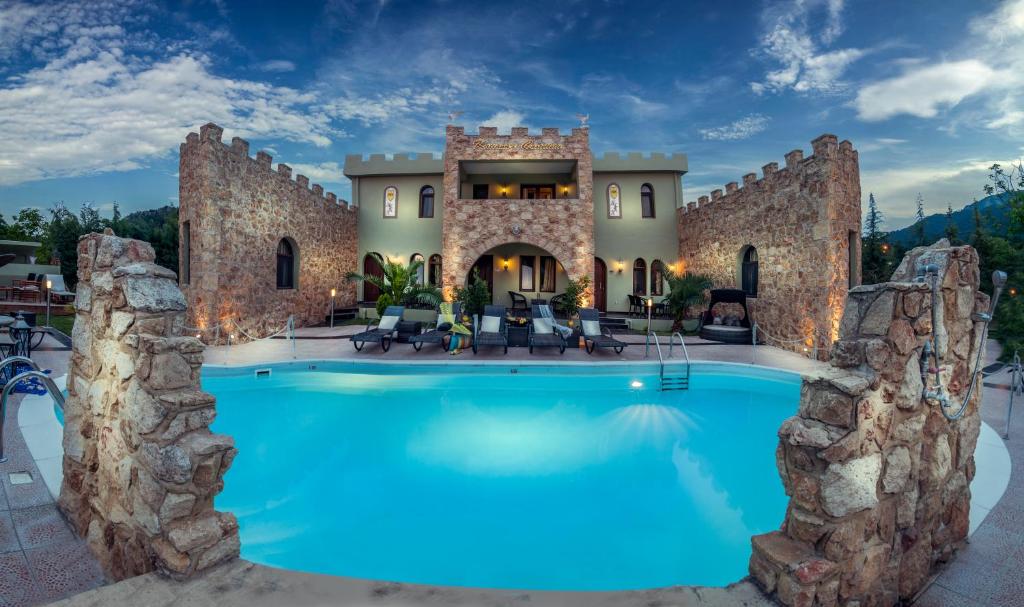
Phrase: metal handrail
[46,380]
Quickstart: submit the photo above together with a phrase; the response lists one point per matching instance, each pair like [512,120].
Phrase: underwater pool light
[636,383]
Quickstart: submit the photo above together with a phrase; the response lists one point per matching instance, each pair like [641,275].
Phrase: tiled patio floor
[41,559]
[989,571]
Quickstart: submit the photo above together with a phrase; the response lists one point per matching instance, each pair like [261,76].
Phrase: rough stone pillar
[878,479]
[141,467]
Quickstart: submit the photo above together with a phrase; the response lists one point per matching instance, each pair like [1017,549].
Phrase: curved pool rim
[645,371]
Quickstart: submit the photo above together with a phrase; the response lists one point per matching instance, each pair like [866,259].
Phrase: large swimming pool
[504,476]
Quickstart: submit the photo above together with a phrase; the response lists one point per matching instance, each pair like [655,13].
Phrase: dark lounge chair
[435,335]
[518,301]
[385,331]
[491,335]
[594,335]
[543,334]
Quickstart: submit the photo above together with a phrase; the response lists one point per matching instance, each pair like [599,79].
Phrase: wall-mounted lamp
[621,266]
[565,189]
[504,265]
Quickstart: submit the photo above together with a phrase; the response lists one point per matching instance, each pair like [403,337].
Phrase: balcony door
[600,285]
[531,191]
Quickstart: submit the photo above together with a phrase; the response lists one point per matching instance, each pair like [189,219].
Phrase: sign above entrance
[529,144]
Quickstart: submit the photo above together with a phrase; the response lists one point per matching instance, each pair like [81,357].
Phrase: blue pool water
[549,478]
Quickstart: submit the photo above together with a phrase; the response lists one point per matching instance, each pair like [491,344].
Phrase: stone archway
[464,254]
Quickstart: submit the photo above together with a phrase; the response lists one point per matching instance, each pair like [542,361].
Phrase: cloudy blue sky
[95,96]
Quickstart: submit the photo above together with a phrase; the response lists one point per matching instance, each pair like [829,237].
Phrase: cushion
[591,327]
[444,326]
[543,325]
[490,324]
[388,323]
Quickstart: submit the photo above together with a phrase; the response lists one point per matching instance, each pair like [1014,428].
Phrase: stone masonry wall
[238,209]
[878,479]
[800,219]
[563,227]
[141,467]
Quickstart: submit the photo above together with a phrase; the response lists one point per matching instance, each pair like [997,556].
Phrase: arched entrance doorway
[518,273]
[371,267]
[600,284]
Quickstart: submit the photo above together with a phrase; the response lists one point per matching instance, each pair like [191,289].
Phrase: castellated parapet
[141,467]
[236,210]
[804,222]
[564,226]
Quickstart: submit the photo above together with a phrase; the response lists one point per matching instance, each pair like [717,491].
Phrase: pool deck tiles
[41,559]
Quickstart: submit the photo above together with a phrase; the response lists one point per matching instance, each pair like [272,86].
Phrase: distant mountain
[994,211]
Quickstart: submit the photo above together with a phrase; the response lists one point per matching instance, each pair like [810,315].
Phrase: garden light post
[49,285]
[21,335]
[333,293]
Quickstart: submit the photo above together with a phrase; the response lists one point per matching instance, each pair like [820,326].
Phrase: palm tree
[685,291]
[397,284]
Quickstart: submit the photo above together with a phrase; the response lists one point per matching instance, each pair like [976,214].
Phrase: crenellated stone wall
[804,221]
[141,467]
[237,209]
[564,226]
[878,479]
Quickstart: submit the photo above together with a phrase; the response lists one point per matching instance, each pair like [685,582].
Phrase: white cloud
[277,65]
[796,44]
[505,120]
[108,112]
[922,92]
[745,127]
[324,172]
[989,67]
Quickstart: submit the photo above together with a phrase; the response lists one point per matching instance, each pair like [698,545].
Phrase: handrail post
[45,379]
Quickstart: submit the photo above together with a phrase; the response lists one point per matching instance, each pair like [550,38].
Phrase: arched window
[647,200]
[426,201]
[434,271]
[287,264]
[420,270]
[657,277]
[639,277]
[748,271]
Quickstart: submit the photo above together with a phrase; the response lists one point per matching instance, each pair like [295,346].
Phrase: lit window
[647,200]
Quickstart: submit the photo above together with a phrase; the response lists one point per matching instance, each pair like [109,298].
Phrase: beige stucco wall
[622,240]
[402,236]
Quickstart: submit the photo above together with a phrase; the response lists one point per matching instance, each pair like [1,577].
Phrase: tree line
[58,230]
[879,256]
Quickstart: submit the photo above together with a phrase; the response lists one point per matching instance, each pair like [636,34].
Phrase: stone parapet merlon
[141,467]
[424,163]
[212,134]
[878,479]
[825,147]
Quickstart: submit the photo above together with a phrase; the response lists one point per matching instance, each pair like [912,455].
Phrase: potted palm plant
[685,291]
[397,284]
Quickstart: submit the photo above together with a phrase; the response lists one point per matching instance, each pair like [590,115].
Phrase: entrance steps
[342,314]
[617,324]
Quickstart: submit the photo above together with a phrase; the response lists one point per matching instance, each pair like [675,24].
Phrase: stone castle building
[527,212]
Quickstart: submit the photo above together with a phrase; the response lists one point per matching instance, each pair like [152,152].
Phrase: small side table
[406,329]
[518,336]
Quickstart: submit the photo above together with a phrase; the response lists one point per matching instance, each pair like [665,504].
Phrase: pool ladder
[46,380]
[670,381]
